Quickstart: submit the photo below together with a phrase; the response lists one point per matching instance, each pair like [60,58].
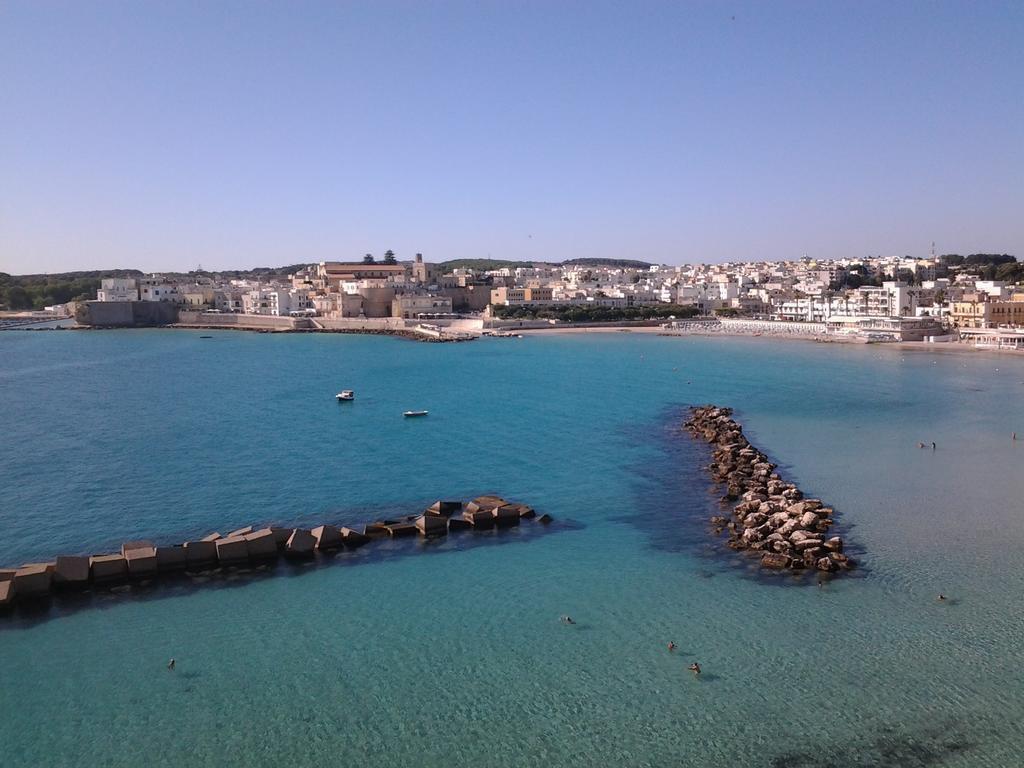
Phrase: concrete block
[397,530]
[262,544]
[171,558]
[233,550]
[141,560]
[377,530]
[33,579]
[6,592]
[485,502]
[300,543]
[458,524]
[240,532]
[281,536]
[200,553]
[136,545]
[432,525]
[108,567]
[445,508]
[353,538]
[525,512]
[480,518]
[71,571]
[545,519]
[211,537]
[327,537]
[7,574]
[506,516]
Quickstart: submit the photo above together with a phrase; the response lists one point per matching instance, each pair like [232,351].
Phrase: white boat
[407,414]
[346,394]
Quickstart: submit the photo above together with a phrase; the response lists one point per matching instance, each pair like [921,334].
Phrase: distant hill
[483,264]
[620,263]
[38,291]
[488,264]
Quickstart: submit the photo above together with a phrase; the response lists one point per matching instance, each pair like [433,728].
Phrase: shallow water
[456,656]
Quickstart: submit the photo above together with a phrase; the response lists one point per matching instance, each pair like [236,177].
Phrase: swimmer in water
[170,665]
[695,668]
[933,445]
[941,597]
[920,445]
[671,645]
[567,620]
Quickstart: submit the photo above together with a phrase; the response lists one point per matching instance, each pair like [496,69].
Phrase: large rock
[33,579]
[172,558]
[71,571]
[300,543]
[432,525]
[825,564]
[327,537]
[352,538]
[835,544]
[775,560]
[200,553]
[140,557]
[545,519]
[808,543]
[107,568]
[261,544]
[808,520]
[6,592]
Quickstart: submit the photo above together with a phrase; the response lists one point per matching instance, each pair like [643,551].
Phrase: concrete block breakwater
[141,560]
[772,516]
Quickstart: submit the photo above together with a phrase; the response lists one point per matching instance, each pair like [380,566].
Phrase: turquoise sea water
[453,655]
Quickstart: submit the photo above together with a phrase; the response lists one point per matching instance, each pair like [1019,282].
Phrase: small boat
[407,414]
[346,394]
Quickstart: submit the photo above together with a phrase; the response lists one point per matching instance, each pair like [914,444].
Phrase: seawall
[249,546]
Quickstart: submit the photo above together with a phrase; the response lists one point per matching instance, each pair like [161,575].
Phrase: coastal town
[977,299]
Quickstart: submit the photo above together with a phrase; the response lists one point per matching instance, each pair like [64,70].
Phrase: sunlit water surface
[452,654]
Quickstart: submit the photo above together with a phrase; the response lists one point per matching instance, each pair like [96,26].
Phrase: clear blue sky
[162,135]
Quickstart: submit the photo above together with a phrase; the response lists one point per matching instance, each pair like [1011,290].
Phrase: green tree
[389,257]
[368,259]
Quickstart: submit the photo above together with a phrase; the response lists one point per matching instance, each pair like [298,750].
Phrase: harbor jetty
[770,516]
[248,546]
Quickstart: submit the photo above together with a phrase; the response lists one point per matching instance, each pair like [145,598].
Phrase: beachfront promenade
[751,327]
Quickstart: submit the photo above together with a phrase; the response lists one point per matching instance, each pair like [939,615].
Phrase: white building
[118,289]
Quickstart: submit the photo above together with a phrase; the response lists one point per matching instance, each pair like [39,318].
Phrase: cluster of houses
[806,291]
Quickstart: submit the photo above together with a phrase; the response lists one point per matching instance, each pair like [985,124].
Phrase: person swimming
[920,445]
[695,668]
[941,597]
[671,645]
[567,620]
[933,445]
[170,665]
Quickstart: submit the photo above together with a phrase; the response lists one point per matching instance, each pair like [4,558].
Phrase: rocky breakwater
[769,515]
[141,561]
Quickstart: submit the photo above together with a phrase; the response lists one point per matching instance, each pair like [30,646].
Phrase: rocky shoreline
[772,517]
